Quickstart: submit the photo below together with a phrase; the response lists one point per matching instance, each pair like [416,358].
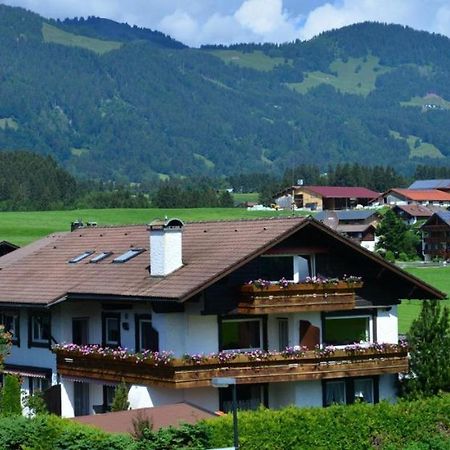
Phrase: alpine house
[297,313]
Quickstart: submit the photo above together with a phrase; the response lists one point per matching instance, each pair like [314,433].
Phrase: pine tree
[10,398]
[120,401]
[429,342]
[396,236]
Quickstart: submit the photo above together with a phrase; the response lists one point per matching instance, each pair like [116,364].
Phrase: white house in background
[184,289]
[426,197]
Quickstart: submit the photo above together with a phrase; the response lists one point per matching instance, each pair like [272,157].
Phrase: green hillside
[253,60]
[58,36]
[114,102]
[419,148]
[354,76]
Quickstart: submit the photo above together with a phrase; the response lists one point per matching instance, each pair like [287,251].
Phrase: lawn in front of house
[438,277]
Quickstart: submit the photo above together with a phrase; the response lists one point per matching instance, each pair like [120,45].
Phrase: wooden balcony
[310,365]
[297,297]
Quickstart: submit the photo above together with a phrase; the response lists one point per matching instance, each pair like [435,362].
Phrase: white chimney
[165,246]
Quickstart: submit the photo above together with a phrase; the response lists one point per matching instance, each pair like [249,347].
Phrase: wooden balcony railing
[247,368]
[297,297]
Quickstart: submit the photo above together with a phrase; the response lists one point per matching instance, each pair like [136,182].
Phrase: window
[276,267]
[100,257]
[128,255]
[146,336]
[249,396]
[80,331]
[111,329]
[347,330]
[350,390]
[335,393]
[38,384]
[241,334]
[39,329]
[283,334]
[10,320]
[81,257]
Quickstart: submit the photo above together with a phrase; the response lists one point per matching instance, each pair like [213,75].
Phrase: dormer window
[130,254]
[80,257]
[100,257]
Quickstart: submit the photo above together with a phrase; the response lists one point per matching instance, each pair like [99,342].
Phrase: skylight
[81,257]
[129,254]
[101,256]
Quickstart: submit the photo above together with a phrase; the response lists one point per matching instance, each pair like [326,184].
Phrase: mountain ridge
[151,107]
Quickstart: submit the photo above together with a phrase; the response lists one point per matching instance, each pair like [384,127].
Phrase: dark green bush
[418,425]
[10,398]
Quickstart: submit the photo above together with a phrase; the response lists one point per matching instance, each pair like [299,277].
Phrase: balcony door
[80,331]
[146,336]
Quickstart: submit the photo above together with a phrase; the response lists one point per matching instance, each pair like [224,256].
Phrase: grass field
[24,227]
[254,60]
[430,99]
[355,76]
[247,197]
[58,36]
[438,277]
[417,147]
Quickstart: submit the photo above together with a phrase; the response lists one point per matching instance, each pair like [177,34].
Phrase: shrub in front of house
[423,424]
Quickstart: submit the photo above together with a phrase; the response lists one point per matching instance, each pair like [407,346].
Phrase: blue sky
[197,22]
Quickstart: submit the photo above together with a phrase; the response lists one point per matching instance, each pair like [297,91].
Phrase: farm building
[324,197]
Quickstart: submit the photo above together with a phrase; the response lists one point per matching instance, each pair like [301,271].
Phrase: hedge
[418,425]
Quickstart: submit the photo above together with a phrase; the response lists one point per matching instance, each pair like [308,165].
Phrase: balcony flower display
[319,281]
[227,357]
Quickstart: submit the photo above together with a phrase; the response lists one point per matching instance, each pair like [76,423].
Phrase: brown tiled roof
[159,416]
[354,228]
[211,250]
[42,274]
[415,210]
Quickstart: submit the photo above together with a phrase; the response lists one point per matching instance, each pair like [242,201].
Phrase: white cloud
[197,22]
[420,14]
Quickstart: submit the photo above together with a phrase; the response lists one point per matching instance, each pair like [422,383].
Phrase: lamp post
[224,382]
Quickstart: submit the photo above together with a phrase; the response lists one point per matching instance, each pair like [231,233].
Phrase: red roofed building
[398,196]
[325,197]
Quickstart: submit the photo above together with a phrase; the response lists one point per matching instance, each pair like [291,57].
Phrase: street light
[224,382]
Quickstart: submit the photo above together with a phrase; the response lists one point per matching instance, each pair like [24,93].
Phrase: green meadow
[253,60]
[24,227]
[438,277]
[354,76]
[58,36]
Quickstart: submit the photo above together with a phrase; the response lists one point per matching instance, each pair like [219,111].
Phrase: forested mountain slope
[118,102]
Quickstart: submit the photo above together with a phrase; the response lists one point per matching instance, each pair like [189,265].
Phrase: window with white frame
[111,329]
[345,330]
[241,334]
[350,390]
[10,320]
[39,329]
[38,384]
